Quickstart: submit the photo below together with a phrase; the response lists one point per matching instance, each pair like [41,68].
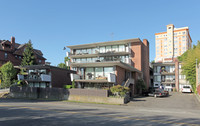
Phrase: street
[178,109]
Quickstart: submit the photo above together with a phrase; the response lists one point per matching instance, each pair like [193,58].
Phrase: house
[13,52]
[104,64]
[46,76]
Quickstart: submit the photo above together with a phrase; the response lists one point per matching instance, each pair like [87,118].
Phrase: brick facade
[140,58]
[120,75]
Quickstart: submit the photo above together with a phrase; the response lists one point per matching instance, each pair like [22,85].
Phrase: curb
[198,97]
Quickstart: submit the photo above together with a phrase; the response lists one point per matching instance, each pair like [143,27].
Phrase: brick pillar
[177,75]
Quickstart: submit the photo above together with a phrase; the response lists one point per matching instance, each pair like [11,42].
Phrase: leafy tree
[189,64]
[28,55]
[8,74]
[62,65]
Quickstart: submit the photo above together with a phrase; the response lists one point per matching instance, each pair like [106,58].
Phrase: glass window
[115,48]
[102,49]
[121,48]
[83,60]
[99,72]
[95,50]
[94,59]
[89,51]
[101,59]
[158,69]
[6,55]
[78,51]
[89,73]
[108,48]
[84,51]
[78,60]
[89,59]
[108,70]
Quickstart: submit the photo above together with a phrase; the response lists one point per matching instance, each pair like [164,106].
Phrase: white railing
[111,78]
[45,77]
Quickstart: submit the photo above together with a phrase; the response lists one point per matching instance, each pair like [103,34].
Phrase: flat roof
[125,41]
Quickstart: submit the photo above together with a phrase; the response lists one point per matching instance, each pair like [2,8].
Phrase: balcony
[168,81]
[42,77]
[97,53]
[111,78]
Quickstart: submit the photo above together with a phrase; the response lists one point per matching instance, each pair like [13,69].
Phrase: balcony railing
[110,78]
[169,80]
[126,60]
[42,77]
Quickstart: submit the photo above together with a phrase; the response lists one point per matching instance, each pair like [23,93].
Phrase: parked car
[159,93]
[186,89]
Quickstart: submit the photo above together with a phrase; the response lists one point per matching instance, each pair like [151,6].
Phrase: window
[108,48]
[183,33]
[108,70]
[89,73]
[78,51]
[169,27]
[89,51]
[121,48]
[99,72]
[115,48]
[40,61]
[183,36]
[6,55]
[84,51]
[102,49]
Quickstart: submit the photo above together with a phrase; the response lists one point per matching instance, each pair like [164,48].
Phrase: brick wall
[140,57]
[198,89]
[120,75]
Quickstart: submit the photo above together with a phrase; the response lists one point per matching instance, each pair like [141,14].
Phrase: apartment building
[172,43]
[167,68]
[104,64]
[13,52]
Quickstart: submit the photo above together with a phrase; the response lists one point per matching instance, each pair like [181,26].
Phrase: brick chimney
[12,43]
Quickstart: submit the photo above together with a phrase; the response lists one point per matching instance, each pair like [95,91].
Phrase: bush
[119,90]
[67,86]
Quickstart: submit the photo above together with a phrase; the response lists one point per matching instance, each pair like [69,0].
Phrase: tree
[8,74]
[189,64]
[28,55]
[62,65]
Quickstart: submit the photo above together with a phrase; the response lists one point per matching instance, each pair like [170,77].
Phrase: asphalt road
[178,109]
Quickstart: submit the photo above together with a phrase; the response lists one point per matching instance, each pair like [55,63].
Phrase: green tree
[62,65]
[189,64]
[28,55]
[8,73]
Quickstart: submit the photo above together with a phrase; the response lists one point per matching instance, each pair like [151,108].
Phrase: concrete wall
[81,95]
[89,92]
[39,93]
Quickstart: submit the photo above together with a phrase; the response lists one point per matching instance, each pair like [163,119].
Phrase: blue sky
[53,24]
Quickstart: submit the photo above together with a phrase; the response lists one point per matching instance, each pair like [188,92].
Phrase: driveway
[176,100]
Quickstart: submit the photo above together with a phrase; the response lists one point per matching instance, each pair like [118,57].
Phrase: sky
[53,24]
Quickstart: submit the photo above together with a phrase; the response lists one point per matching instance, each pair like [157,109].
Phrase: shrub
[119,90]
[67,86]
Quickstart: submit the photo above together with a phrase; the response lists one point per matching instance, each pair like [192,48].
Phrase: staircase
[128,82]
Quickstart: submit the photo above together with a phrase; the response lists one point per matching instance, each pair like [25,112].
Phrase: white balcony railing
[111,78]
[45,77]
